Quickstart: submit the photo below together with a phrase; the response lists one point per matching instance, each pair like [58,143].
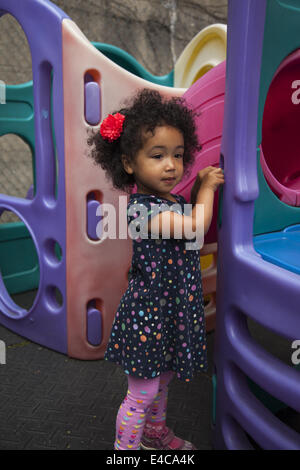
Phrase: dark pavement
[51,401]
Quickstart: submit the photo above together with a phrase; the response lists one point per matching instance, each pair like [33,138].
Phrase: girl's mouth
[169,180]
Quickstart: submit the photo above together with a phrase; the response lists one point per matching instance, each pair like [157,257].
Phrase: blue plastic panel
[281,248]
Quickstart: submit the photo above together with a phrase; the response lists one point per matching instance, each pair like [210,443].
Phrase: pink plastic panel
[206,96]
[96,272]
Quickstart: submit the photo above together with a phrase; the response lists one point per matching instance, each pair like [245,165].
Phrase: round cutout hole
[19,265]
[280,132]
[53,251]
[54,298]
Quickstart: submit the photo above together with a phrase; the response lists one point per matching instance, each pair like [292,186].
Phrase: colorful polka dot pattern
[160,324]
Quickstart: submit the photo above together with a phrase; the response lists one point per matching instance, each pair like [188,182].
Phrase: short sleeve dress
[159,324]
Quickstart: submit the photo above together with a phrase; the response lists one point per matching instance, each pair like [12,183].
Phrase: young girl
[159,327]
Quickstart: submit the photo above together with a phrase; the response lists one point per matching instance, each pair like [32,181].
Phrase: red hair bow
[112,126]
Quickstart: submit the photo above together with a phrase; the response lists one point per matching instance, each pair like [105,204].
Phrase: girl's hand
[204,172]
[199,178]
[198,181]
[212,178]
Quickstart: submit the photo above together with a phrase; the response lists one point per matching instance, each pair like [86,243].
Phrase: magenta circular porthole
[280,147]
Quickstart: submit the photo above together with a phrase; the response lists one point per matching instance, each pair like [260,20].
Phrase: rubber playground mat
[51,401]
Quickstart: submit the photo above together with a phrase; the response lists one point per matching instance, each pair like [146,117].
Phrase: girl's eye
[179,155]
[156,156]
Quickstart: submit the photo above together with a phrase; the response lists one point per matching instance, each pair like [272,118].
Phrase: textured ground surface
[50,401]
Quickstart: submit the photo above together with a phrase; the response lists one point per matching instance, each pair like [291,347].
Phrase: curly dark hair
[144,113]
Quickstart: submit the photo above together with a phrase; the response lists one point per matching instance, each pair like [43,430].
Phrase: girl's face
[158,166]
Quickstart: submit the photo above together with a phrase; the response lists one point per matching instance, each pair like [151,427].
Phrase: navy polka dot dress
[160,324]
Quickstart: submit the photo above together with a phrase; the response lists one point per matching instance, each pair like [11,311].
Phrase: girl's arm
[188,225]
[195,190]
[197,184]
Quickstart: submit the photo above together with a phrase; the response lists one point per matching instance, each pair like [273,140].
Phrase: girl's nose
[170,164]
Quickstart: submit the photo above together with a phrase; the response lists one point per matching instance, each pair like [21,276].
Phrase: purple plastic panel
[92,103]
[45,215]
[248,286]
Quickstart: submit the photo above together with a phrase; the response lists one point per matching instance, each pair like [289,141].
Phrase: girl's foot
[166,440]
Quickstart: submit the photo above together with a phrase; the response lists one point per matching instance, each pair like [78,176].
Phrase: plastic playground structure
[252,247]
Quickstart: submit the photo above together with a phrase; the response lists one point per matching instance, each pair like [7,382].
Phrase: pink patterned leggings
[144,405]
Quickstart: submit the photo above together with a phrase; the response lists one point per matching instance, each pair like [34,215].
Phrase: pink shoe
[166,441]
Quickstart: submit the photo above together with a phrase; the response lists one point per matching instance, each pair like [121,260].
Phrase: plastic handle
[94,225]
[41,22]
[94,326]
[92,103]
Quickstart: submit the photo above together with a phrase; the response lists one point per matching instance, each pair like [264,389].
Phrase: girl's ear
[127,164]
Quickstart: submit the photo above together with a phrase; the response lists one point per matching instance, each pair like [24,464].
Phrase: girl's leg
[132,413]
[156,434]
[156,416]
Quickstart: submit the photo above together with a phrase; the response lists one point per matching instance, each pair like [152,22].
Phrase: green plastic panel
[19,259]
[129,63]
